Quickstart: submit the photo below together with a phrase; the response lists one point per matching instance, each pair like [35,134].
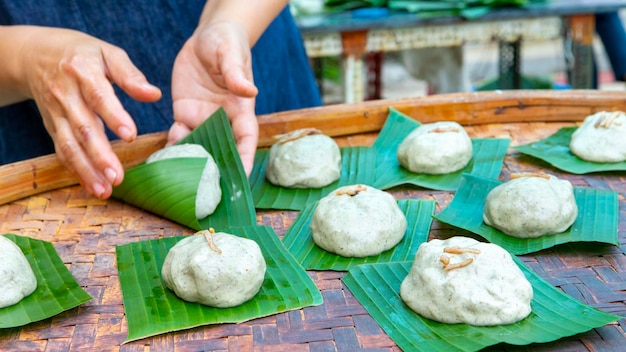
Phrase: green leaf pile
[431,8]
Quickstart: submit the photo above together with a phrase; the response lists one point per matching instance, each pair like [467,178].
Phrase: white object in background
[306,7]
[441,67]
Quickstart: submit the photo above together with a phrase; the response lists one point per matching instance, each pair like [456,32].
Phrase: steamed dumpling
[209,192]
[531,205]
[214,269]
[436,148]
[304,158]
[461,280]
[600,138]
[358,221]
[17,279]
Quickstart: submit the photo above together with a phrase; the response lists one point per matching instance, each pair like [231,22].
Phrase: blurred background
[406,74]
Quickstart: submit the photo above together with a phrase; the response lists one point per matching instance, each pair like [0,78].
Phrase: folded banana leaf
[152,309]
[554,314]
[598,217]
[299,240]
[358,166]
[168,187]
[488,156]
[56,292]
[555,151]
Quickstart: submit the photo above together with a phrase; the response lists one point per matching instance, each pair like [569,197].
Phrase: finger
[122,71]
[230,66]
[236,69]
[177,132]
[246,146]
[246,132]
[88,130]
[96,90]
[99,96]
[71,154]
[238,83]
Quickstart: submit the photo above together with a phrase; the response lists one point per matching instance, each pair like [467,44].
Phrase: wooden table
[352,37]
[85,231]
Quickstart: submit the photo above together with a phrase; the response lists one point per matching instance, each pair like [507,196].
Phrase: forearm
[253,15]
[12,83]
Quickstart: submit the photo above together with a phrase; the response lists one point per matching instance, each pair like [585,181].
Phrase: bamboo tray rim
[30,177]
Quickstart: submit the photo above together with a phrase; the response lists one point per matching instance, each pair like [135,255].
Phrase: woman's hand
[212,70]
[70,75]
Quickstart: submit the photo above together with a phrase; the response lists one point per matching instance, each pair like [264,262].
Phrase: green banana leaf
[598,217]
[299,240]
[153,309]
[554,314]
[358,166]
[432,8]
[168,187]
[487,159]
[555,151]
[56,291]
[425,9]
[347,5]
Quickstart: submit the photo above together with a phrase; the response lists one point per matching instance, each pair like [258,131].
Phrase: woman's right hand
[70,75]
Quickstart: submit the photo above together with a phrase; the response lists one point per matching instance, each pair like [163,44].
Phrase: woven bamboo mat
[85,231]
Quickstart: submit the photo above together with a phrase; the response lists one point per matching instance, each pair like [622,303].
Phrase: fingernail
[110,174]
[98,190]
[148,86]
[124,133]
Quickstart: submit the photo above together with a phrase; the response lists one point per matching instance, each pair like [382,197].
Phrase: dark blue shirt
[152,32]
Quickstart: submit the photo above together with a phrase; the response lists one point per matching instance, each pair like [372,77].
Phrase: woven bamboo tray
[40,199]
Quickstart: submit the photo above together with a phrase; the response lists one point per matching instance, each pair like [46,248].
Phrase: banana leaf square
[152,309]
[487,160]
[597,221]
[358,167]
[56,292]
[554,314]
[299,240]
[555,150]
[169,187]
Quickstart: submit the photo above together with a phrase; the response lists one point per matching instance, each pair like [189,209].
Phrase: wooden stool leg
[374,75]
[354,45]
[317,64]
[509,65]
[580,30]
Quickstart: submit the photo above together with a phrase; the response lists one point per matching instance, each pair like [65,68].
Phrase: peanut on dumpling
[600,138]
[461,280]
